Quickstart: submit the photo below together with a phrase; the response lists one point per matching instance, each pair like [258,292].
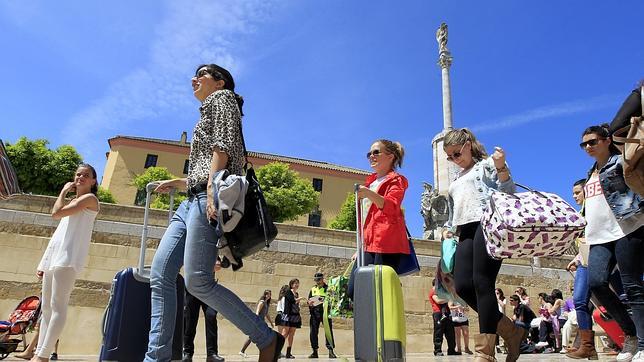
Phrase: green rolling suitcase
[379,313]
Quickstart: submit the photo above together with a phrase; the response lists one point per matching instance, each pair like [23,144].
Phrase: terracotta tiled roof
[262,155]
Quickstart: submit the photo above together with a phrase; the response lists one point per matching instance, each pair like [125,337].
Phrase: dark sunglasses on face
[203,72]
[374,153]
[456,155]
[591,143]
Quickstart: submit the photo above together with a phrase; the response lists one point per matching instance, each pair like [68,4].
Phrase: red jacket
[384,229]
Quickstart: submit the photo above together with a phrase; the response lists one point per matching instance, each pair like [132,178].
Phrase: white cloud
[550,111]
[201,31]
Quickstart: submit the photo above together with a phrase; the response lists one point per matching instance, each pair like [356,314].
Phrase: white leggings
[57,286]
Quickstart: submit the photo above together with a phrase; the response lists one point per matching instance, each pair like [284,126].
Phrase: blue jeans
[581,298]
[627,253]
[190,230]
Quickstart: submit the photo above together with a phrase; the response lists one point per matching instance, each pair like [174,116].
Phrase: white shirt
[467,207]
[366,203]
[602,226]
[69,245]
[280,305]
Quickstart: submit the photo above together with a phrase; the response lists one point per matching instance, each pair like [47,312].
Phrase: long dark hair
[501,295]
[221,73]
[603,132]
[94,189]
[283,291]
[265,298]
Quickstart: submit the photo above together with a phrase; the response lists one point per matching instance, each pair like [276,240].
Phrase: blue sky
[323,79]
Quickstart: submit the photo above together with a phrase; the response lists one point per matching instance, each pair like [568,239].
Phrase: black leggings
[391,260]
[475,275]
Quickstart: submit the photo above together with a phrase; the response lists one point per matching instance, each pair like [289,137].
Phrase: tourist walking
[579,318]
[475,271]
[291,318]
[65,255]
[190,240]
[383,222]
[263,306]
[615,233]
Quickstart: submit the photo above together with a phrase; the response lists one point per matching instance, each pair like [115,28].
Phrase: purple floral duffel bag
[529,224]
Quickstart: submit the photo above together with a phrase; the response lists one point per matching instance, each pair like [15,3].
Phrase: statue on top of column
[441,38]
[444,56]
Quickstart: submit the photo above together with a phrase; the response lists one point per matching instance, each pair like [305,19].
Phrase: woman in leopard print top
[216,145]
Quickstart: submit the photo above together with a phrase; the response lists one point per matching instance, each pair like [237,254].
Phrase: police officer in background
[316,308]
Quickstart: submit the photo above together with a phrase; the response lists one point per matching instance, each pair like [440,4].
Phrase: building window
[317,184]
[139,199]
[150,161]
[186,165]
[315,217]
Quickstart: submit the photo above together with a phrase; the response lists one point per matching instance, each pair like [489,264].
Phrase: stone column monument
[434,200]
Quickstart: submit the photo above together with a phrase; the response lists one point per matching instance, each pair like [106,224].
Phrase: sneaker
[628,350]
[639,357]
[244,355]
[541,344]
[549,350]
[438,354]
[53,357]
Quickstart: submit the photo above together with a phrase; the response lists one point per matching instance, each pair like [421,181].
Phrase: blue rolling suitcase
[126,322]
[379,327]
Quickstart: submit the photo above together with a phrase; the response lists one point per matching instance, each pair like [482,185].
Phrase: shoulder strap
[241,134]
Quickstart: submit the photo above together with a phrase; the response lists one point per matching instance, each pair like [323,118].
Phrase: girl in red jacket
[384,232]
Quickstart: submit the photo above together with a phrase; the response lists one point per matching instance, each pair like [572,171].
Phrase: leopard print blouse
[219,126]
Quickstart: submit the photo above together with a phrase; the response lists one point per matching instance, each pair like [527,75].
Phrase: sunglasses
[374,153]
[456,155]
[204,72]
[591,143]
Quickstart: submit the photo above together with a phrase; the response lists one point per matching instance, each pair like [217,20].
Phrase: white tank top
[69,245]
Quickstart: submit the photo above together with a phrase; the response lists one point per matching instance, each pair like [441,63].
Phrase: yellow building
[130,156]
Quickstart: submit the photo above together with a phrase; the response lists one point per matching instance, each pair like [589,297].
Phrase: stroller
[24,317]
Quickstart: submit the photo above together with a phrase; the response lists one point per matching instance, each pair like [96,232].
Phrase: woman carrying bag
[475,271]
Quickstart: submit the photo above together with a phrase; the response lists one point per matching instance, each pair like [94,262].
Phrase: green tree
[104,195]
[41,170]
[287,194]
[346,218]
[159,201]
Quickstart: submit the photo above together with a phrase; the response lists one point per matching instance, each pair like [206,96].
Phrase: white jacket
[230,194]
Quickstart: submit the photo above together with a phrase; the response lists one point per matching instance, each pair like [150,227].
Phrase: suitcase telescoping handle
[359,238]
[149,188]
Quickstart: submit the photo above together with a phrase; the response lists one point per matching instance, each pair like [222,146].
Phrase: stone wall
[298,252]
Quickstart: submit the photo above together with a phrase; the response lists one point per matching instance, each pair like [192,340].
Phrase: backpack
[632,137]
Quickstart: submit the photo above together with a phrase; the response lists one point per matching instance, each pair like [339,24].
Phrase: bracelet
[502,169]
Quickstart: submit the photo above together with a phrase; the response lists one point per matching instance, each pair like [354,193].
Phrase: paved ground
[411,357]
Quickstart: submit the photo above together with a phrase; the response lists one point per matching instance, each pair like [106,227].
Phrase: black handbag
[255,230]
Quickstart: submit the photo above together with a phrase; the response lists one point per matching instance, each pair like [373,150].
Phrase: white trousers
[57,287]
[569,327]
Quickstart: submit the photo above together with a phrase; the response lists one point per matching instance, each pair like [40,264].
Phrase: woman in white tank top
[65,255]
